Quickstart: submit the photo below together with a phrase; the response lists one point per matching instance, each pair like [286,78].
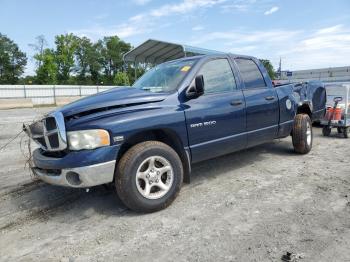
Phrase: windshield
[165,77]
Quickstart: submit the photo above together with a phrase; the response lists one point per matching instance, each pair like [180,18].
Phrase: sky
[304,34]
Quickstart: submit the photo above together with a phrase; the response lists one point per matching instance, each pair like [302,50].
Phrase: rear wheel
[346,131]
[149,176]
[302,135]
[340,130]
[326,131]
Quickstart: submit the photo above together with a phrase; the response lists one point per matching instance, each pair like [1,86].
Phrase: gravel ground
[254,205]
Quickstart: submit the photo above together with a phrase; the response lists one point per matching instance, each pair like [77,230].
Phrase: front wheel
[149,176]
[302,135]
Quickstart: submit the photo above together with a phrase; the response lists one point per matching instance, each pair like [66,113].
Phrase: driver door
[216,121]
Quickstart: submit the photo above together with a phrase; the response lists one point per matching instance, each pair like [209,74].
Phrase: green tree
[39,47]
[27,80]
[88,58]
[66,46]
[131,72]
[269,67]
[112,50]
[12,61]
[46,72]
[78,60]
[121,79]
[95,65]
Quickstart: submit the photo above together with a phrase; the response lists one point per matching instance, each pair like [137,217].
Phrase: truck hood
[113,98]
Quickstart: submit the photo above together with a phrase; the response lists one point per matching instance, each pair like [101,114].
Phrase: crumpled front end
[49,133]
[54,163]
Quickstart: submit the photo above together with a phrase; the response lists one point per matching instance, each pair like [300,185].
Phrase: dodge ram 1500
[145,138]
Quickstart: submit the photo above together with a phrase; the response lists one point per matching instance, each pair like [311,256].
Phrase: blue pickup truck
[143,139]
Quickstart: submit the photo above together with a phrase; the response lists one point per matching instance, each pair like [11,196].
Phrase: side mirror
[197,89]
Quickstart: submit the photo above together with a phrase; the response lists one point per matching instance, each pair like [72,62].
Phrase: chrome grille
[49,133]
[50,123]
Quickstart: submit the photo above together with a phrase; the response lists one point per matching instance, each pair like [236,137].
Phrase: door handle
[269,98]
[236,102]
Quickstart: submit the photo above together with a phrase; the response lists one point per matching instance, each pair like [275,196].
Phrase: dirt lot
[254,205]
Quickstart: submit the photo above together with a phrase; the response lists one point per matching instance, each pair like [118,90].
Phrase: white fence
[47,94]
[332,74]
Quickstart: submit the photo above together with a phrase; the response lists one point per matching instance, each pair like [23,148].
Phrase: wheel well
[305,109]
[162,135]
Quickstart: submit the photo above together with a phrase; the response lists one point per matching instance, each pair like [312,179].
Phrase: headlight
[88,139]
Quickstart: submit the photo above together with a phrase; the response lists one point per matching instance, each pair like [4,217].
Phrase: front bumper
[86,176]
[54,164]
[85,168]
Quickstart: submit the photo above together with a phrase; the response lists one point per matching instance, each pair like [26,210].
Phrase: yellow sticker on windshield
[185,68]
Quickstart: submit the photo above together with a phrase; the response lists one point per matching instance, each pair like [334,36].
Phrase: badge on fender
[288,104]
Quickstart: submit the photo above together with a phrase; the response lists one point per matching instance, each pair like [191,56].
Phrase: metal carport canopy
[156,52]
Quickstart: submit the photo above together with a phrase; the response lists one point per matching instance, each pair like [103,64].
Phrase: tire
[326,131]
[302,134]
[142,167]
[346,131]
[340,130]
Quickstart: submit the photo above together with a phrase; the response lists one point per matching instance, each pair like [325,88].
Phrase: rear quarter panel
[312,93]
[317,92]
[287,109]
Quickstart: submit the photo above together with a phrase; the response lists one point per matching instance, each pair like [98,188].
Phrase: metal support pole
[24,91]
[54,94]
[97,88]
[125,71]
[79,90]
[135,65]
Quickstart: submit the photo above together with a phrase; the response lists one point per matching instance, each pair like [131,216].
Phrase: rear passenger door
[216,120]
[262,111]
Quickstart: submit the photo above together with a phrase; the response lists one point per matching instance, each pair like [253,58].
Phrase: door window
[218,76]
[250,72]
